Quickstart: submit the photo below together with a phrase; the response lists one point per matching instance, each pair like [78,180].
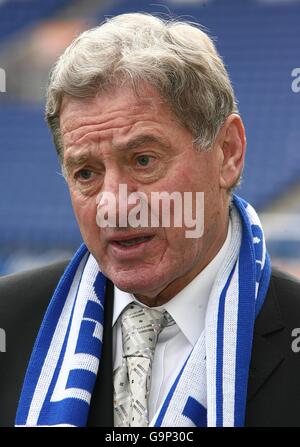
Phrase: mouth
[131,242]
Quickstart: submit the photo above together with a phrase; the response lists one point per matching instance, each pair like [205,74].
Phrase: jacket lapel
[101,407]
[266,355]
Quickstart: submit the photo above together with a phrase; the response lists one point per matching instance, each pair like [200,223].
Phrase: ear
[231,143]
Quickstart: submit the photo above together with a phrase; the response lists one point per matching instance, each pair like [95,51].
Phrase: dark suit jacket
[274,377]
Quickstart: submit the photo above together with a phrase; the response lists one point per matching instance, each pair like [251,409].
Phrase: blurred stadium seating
[259,42]
[18,14]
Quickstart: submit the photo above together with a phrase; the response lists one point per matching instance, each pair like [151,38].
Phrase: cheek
[85,212]
[181,248]
[193,175]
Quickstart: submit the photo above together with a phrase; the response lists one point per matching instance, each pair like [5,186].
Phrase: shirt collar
[188,307]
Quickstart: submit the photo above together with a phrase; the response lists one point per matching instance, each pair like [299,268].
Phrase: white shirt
[188,309]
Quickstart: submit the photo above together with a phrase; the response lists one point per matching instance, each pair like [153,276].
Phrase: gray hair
[177,58]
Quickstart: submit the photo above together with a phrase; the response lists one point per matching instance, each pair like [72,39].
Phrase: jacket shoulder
[19,290]
[47,272]
[286,288]
[24,298]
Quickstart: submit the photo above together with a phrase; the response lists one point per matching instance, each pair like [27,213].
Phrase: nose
[117,178]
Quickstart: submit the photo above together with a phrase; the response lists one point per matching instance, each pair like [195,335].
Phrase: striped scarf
[211,388]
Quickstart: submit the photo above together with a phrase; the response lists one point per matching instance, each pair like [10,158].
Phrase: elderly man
[150,325]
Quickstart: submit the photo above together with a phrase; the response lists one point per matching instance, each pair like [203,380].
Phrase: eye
[83,174]
[144,160]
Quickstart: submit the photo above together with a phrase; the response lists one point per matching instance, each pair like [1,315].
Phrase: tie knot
[140,329]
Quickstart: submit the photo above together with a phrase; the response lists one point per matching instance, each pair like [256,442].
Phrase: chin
[133,286]
[135,283]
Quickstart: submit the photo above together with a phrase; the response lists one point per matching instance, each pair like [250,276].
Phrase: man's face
[119,138]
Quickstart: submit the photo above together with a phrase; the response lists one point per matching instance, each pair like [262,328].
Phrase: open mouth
[133,242]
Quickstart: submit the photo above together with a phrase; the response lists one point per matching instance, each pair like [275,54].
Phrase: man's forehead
[74,110]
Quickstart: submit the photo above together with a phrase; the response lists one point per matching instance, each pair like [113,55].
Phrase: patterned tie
[140,329]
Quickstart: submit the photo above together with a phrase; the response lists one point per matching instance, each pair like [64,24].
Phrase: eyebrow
[140,141]
[135,143]
[73,161]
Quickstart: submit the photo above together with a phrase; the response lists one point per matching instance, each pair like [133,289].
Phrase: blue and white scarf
[210,390]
